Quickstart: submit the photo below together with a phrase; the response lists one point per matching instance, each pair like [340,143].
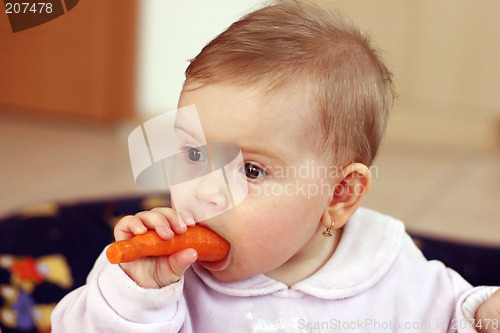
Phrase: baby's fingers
[157,221]
[139,223]
[177,224]
[129,226]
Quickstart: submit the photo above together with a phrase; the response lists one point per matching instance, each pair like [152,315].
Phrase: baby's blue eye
[254,172]
[195,155]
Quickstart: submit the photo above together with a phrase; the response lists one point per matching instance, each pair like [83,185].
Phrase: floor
[436,190]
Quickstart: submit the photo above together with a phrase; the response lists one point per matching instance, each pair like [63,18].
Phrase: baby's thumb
[180,261]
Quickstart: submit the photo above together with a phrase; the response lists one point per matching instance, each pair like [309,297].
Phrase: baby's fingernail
[181,224]
[169,233]
[140,229]
[162,229]
[190,221]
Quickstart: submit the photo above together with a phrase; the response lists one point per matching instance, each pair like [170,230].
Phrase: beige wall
[446,59]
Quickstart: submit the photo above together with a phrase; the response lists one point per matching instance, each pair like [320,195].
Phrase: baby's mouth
[217,266]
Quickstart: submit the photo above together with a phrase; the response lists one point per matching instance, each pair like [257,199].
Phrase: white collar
[369,245]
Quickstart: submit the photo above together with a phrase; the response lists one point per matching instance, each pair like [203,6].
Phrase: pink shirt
[377,280]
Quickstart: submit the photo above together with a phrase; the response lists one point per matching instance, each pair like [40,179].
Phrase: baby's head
[299,90]
[311,49]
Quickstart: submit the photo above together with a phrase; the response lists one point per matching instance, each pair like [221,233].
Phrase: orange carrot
[209,245]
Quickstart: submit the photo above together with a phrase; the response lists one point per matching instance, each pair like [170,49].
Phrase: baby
[297,88]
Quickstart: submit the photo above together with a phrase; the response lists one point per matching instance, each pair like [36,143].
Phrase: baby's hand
[489,312]
[155,272]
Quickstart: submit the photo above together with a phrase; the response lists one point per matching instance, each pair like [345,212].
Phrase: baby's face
[278,223]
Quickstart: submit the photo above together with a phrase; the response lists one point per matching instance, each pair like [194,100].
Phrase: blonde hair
[308,43]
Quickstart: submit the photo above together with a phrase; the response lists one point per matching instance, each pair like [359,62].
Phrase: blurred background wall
[444,57]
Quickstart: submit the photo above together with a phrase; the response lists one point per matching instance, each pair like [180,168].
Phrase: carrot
[209,245]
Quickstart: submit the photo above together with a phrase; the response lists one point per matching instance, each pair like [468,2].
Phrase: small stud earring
[328,231]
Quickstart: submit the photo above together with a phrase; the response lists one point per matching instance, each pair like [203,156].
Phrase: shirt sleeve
[467,306]
[453,299]
[112,302]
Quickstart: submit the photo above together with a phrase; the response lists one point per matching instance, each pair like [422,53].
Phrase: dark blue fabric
[480,265]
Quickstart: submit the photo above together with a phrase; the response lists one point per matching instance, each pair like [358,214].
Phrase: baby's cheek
[253,263]
[272,189]
[267,249]
[254,190]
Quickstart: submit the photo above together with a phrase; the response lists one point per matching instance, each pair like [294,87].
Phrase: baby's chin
[227,277]
[220,276]
[235,273]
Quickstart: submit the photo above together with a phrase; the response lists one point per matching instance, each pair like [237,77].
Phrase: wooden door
[78,66]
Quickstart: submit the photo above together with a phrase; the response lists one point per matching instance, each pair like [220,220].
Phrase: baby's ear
[354,184]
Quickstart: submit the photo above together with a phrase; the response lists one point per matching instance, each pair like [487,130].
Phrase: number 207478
[28,7]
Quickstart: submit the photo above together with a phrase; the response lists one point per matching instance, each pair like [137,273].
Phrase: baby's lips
[217,266]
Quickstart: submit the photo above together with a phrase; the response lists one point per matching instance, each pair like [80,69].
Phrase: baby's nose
[212,190]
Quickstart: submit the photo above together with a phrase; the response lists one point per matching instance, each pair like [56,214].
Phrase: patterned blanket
[46,251]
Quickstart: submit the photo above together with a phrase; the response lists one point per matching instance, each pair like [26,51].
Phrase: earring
[328,231]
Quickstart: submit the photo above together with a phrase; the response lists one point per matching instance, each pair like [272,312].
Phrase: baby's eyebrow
[190,133]
[258,150]
[263,152]
[179,127]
